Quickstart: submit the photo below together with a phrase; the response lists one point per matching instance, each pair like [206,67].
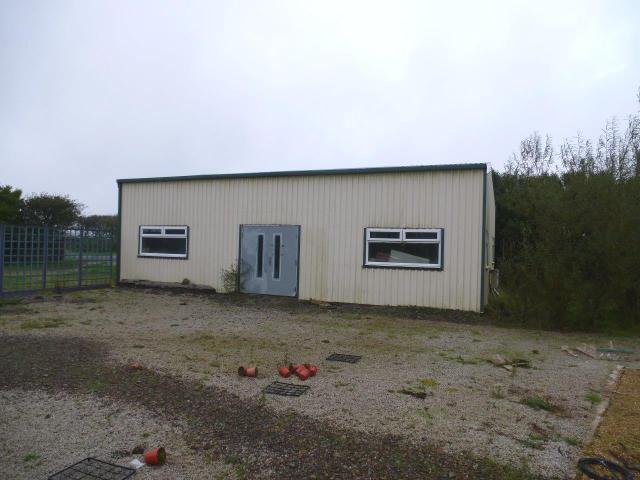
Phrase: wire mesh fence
[41,258]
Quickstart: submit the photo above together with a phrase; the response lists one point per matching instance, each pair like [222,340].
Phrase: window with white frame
[403,247]
[163,241]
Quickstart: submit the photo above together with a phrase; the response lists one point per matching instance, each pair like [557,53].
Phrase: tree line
[568,232]
[59,211]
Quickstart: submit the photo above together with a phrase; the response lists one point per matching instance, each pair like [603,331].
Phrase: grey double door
[269,259]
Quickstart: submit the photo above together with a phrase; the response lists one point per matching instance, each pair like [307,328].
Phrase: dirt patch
[221,425]
[289,304]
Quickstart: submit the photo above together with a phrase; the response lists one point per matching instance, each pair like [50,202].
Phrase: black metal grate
[342,357]
[286,389]
[92,468]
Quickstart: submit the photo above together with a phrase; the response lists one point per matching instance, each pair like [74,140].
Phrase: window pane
[421,235]
[175,231]
[159,245]
[418,253]
[260,254]
[389,235]
[152,231]
[276,257]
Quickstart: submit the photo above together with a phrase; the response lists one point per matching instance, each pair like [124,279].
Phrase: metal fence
[43,258]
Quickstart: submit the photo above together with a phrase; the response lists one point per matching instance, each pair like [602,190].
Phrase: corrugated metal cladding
[333,211]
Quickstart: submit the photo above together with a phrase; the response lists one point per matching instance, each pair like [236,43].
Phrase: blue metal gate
[43,258]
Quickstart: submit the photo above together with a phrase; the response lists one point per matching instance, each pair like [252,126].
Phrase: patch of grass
[573,441]
[241,472]
[425,414]
[243,345]
[497,392]
[338,441]
[6,301]
[383,324]
[490,468]
[36,324]
[95,386]
[29,457]
[538,403]
[536,445]
[537,437]
[284,420]
[82,297]
[428,382]
[420,390]
[464,361]
[14,306]
[593,397]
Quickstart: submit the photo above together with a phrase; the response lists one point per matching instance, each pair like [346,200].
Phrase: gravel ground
[217,425]
[42,433]
[471,406]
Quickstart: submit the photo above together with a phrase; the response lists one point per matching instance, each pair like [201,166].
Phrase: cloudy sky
[92,91]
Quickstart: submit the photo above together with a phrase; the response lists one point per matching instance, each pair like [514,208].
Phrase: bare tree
[535,157]
[577,156]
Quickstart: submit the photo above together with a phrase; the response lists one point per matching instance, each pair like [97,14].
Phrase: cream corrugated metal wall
[332,211]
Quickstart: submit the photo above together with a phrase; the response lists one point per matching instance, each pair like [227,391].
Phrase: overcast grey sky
[93,91]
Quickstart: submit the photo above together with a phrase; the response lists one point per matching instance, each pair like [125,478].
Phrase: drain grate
[342,357]
[92,468]
[286,389]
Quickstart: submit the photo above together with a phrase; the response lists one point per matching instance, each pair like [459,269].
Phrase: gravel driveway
[533,419]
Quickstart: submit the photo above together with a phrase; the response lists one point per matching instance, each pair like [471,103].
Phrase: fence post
[80,259]
[1,256]
[110,243]
[45,257]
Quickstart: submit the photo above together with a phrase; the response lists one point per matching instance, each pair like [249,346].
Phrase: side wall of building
[333,211]
[490,235]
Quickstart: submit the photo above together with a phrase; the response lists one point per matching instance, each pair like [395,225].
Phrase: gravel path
[470,405]
[42,433]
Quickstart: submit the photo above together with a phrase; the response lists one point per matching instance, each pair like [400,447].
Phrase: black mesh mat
[341,357]
[286,389]
[92,468]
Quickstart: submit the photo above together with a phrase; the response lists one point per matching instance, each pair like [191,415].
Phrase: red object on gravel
[312,369]
[303,373]
[295,367]
[157,456]
[284,371]
[248,371]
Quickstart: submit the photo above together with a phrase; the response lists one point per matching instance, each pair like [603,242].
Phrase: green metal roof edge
[303,173]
